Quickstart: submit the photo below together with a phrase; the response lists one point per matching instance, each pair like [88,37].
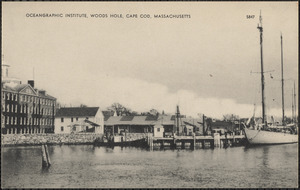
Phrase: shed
[158,130]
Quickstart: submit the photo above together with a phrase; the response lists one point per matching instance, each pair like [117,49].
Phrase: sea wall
[38,139]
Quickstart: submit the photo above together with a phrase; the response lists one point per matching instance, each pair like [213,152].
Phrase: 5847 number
[250,16]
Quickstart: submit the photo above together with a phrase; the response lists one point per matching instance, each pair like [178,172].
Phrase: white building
[79,119]
[158,131]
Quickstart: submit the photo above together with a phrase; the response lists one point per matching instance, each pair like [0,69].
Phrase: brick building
[25,109]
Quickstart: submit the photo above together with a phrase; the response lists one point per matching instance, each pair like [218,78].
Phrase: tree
[120,109]
[230,117]
[154,112]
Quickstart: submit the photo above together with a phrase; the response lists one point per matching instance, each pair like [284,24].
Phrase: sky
[204,63]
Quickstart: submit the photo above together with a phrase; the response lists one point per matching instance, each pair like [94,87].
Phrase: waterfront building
[156,124]
[79,119]
[25,109]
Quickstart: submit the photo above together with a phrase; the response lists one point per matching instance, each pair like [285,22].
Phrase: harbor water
[79,166]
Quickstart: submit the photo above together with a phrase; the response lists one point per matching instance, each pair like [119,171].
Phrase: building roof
[20,87]
[107,114]
[221,124]
[150,120]
[90,122]
[77,112]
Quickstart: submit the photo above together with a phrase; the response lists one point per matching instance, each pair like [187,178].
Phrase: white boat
[260,137]
[263,134]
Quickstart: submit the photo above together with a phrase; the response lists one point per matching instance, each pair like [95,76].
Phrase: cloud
[140,95]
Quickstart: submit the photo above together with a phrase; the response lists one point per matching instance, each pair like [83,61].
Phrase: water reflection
[119,167]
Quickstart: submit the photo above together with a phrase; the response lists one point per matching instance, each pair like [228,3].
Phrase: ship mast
[260,28]
[282,82]
[295,104]
[177,119]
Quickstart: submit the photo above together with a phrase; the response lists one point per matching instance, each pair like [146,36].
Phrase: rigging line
[255,135]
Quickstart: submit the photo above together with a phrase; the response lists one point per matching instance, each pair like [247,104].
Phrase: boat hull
[259,137]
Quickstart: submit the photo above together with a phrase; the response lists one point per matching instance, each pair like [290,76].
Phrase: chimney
[31,83]
[43,92]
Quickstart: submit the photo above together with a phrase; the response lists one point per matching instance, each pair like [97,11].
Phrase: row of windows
[27,109]
[28,121]
[26,98]
[98,120]
[72,119]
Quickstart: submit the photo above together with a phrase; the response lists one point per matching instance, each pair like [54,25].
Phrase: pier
[193,142]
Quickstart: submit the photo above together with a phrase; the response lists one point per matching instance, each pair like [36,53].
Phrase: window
[158,129]
[76,118]
[61,128]
[62,119]
[71,119]
[7,119]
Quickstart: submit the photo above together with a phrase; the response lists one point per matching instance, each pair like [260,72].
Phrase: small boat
[264,134]
[115,141]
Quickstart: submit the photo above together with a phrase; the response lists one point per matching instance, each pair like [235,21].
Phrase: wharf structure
[174,131]
[25,109]
[159,125]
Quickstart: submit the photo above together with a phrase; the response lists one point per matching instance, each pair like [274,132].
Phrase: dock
[194,142]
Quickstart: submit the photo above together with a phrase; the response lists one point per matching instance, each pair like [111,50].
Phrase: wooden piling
[212,144]
[193,143]
[203,144]
[151,142]
[173,144]
[162,146]
[182,144]
[45,156]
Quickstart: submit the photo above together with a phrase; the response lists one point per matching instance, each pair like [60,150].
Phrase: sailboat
[261,134]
